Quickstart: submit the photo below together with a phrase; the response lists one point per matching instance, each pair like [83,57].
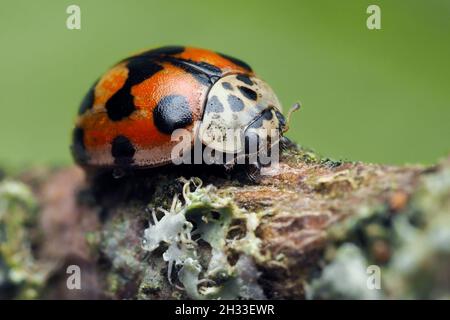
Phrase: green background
[379,96]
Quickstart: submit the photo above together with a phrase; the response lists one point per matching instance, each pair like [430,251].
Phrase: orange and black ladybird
[127,117]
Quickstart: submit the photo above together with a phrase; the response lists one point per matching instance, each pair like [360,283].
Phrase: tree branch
[309,231]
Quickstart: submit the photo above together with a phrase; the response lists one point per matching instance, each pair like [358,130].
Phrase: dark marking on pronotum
[214,105]
[121,104]
[172,112]
[265,115]
[248,93]
[236,61]
[227,86]
[78,147]
[245,79]
[235,103]
[88,100]
[122,150]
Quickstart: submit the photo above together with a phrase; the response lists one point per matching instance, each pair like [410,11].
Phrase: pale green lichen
[420,268]
[19,271]
[416,241]
[215,217]
[345,277]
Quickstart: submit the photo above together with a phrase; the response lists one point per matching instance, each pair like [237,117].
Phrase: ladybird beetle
[127,117]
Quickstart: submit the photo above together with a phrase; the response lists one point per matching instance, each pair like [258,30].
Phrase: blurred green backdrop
[378,96]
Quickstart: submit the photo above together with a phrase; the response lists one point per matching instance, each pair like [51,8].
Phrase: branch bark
[309,231]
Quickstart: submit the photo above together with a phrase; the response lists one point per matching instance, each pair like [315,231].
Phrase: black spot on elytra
[158,52]
[140,70]
[248,93]
[243,78]
[121,104]
[167,50]
[206,67]
[78,147]
[214,105]
[122,150]
[227,86]
[88,100]
[236,61]
[204,72]
[197,74]
[235,103]
[172,112]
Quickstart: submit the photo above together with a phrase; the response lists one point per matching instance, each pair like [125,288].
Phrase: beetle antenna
[294,108]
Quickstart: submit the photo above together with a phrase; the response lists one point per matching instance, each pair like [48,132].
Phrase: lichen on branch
[314,229]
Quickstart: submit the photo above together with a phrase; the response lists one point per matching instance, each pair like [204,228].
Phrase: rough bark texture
[316,229]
